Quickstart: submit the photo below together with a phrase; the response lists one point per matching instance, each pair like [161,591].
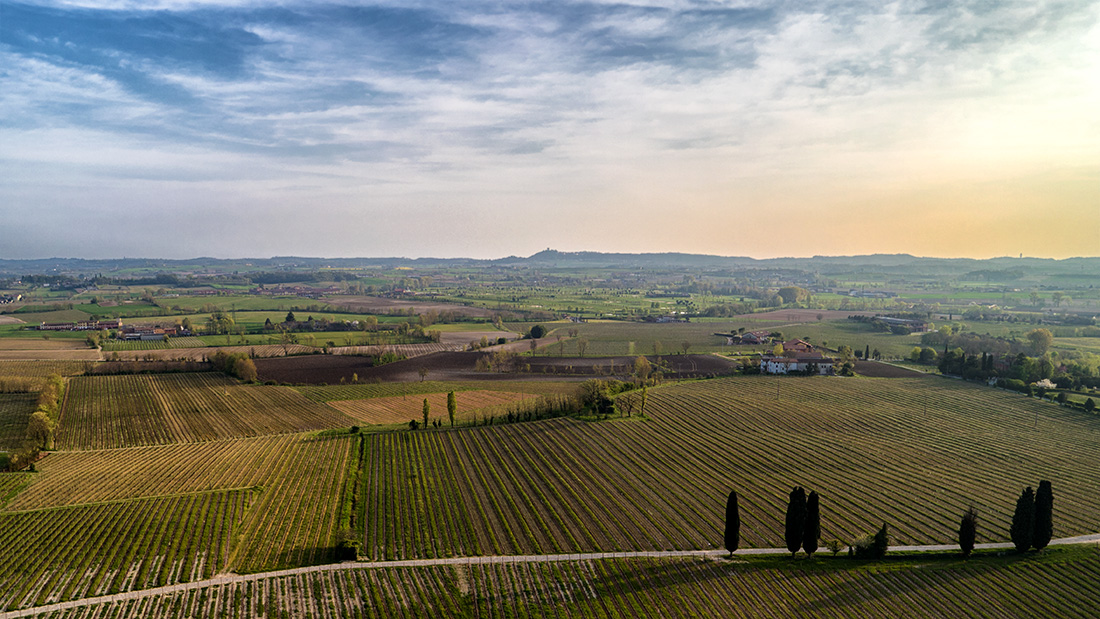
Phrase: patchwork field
[102,412]
[401,409]
[914,453]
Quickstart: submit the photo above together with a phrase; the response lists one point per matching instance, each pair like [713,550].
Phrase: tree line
[1032,525]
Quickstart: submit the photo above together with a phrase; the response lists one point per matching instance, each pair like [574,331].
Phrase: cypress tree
[796,517]
[1043,528]
[733,523]
[811,529]
[1023,520]
[452,407]
[866,352]
[968,531]
[881,542]
[427,409]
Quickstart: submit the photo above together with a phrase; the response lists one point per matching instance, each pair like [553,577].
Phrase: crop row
[41,368]
[295,520]
[15,411]
[70,478]
[60,554]
[103,412]
[641,588]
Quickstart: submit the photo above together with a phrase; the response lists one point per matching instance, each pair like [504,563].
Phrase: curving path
[357,565]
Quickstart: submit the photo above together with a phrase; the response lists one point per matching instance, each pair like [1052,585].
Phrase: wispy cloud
[432,108]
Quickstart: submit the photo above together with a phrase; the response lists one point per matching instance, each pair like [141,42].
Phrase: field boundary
[223,579]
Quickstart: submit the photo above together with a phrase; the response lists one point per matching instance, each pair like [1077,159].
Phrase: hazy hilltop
[1003,268]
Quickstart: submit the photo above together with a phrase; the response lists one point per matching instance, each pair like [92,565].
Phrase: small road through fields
[224,579]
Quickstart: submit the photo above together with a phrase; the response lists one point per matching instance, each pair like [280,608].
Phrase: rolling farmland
[870,447]
[1055,586]
[103,412]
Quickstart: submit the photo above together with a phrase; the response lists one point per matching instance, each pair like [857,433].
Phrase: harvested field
[15,412]
[314,369]
[400,409]
[102,412]
[379,305]
[876,450]
[10,320]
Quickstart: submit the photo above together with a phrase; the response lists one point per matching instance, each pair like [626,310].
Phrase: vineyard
[1059,586]
[60,554]
[911,452]
[116,520]
[75,477]
[295,521]
[102,412]
[405,350]
[400,409]
[33,372]
[15,411]
[175,342]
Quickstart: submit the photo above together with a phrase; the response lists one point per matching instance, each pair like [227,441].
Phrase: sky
[176,129]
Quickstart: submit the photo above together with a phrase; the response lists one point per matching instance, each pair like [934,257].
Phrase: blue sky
[483,129]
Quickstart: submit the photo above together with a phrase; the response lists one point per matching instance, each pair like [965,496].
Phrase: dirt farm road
[224,579]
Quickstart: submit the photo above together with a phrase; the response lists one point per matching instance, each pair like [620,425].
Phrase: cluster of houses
[10,298]
[799,356]
[81,325]
[150,333]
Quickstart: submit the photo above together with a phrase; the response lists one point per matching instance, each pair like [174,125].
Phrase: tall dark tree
[866,352]
[733,523]
[1023,520]
[968,531]
[881,542]
[796,518]
[1043,528]
[811,529]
